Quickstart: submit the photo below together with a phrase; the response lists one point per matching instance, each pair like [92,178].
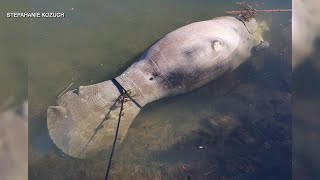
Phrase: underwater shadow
[250,138]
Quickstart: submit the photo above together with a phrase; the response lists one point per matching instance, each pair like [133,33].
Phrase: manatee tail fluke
[84,122]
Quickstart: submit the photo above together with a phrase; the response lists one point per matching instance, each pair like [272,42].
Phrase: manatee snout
[261,46]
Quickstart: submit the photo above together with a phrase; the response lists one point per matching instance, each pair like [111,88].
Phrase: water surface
[13,57]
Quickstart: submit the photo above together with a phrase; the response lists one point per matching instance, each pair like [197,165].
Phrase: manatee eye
[151,79]
[217,44]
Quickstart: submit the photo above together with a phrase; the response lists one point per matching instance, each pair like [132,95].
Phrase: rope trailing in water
[116,134]
[248,10]
[264,10]
[123,94]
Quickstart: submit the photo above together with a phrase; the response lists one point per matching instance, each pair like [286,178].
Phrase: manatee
[84,123]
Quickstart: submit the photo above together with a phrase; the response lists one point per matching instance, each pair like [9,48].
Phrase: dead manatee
[84,122]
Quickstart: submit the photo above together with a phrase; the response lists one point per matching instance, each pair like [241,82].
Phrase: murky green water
[242,121]
[306,125]
[13,58]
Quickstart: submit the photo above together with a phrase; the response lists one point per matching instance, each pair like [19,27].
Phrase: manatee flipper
[84,123]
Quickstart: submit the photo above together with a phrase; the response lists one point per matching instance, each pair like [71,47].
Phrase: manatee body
[84,123]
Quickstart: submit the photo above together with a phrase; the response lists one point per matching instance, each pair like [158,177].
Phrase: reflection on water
[236,127]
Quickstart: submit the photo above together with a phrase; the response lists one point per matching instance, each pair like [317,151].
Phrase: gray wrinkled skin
[84,123]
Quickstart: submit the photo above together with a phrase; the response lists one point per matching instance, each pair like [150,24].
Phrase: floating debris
[65,89]
[249,11]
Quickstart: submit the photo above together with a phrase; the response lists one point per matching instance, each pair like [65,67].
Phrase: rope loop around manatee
[123,91]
